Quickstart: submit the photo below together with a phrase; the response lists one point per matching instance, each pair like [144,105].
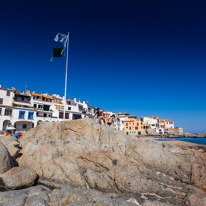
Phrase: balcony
[82,109]
[39,109]
[43,99]
[71,103]
[28,102]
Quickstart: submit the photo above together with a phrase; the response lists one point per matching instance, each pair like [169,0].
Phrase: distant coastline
[195,140]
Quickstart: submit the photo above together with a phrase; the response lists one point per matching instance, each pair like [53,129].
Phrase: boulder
[84,154]
[40,195]
[12,145]
[6,162]
[18,177]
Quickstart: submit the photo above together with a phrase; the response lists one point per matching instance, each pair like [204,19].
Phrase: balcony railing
[44,100]
[82,109]
[39,108]
[72,104]
[28,102]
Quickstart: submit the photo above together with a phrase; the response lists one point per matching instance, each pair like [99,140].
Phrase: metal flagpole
[65,91]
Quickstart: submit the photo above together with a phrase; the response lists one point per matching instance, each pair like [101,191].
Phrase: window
[136,128]
[76,116]
[8,93]
[129,128]
[0,111]
[40,106]
[126,127]
[139,133]
[1,100]
[8,112]
[24,126]
[21,114]
[46,107]
[34,105]
[30,116]
[126,124]
[137,124]
[69,108]
[133,123]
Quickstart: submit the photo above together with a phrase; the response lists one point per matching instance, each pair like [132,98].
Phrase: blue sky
[147,58]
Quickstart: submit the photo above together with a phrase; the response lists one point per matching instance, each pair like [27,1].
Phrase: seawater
[192,140]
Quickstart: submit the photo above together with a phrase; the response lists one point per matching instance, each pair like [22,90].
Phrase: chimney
[27,92]
[0,85]
[79,101]
[83,102]
[75,99]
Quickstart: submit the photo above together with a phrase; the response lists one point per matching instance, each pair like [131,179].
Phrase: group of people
[15,134]
[101,116]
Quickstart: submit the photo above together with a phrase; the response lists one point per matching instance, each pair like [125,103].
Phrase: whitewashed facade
[27,110]
[152,122]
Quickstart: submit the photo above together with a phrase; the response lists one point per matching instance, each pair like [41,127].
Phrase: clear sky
[147,57]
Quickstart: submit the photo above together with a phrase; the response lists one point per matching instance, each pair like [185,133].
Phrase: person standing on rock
[111,120]
[100,115]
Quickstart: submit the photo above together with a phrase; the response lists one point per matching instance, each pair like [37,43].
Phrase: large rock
[18,177]
[6,162]
[12,145]
[83,154]
[40,195]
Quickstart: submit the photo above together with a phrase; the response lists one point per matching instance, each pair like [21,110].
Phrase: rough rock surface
[150,132]
[6,162]
[18,177]
[84,154]
[40,195]
[12,145]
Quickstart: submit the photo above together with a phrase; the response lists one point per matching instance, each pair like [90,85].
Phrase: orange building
[134,126]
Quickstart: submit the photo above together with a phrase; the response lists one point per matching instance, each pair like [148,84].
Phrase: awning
[37,95]
[47,97]
[31,112]
[22,111]
[8,118]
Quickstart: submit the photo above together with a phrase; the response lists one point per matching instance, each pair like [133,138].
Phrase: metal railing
[15,100]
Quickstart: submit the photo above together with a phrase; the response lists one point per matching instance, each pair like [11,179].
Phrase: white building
[122,117]
[26,110]
[152,121]
[116,119]
[169,124]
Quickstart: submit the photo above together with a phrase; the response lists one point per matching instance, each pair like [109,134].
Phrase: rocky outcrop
[18,177]
[150,132]
[187,134]
[13,177]
[85,155]
[6,162]
[40,195]
[12,145]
